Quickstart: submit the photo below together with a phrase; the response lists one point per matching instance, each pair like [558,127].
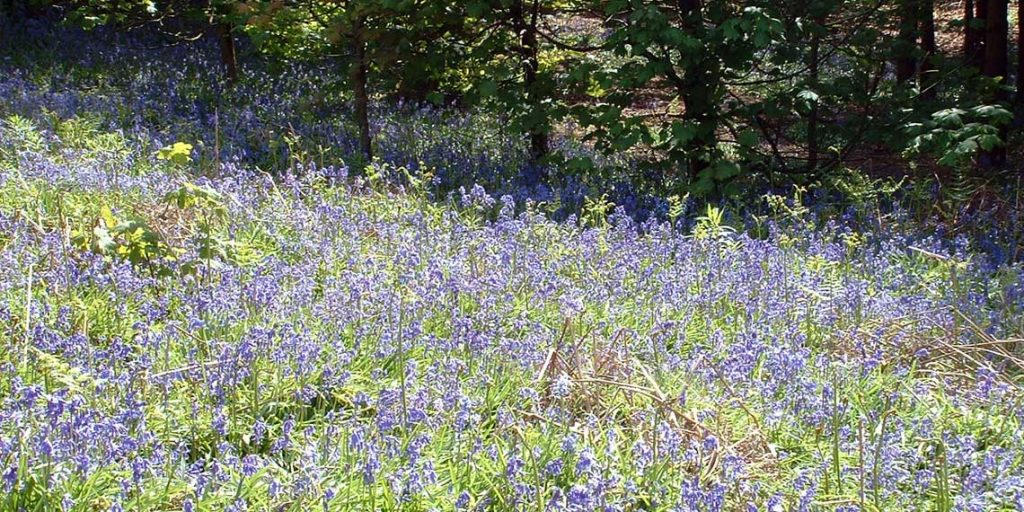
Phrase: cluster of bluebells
[278,114]
[373,351]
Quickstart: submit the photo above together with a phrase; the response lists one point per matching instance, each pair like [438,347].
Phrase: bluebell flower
[463,501]
[562,386]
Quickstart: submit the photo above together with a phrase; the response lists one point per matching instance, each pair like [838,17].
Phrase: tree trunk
[700,92]
[539,137]
[701,104]
[812,118]
[358,74]
[906,41]
[227,52]
[926,74]
[972,43]
[1019,99]
[996,67]
[976,35]
[529,52]
[996,27]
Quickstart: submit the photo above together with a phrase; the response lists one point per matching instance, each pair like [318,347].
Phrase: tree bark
[700,97]
[996,67]
[972,43]
[926,74]
[539,137]
[700,92]
[996,27]
[1019,99]
[526,25]
[980,17]
[906,41]
[976,35]
[227,52]
[812,118]
[358,73]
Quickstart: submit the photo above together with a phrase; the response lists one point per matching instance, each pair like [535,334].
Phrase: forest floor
[184,330]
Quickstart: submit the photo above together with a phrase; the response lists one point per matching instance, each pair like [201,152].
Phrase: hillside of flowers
[203,308]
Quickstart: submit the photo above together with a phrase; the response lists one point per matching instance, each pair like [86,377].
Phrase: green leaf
[950,117]
[488,88]
[988,141]
[476,9]
[594,88]
[808,95]
[748,138]
[103,242]
[683,133]
[993,113]
[107,216]
[179,153]
[966,147]
[730,29]
[725,169]
[704,185]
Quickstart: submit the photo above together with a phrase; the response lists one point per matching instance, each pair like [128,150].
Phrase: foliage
[695,49]
[131,240]
[705,98]
[179,153]
[957,136]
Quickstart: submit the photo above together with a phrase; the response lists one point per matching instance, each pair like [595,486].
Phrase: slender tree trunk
[926,74]
[906,41]
[976,34]
[227,52]
[1019,99]
[539,137]
[972,41]
[812,118]
[526,25]
[358,73]
[700,92]
[996,67]
[701,96]
[996,43]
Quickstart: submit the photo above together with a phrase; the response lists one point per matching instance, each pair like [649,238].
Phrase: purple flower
[554,467]
[10,478]
[250,464]
[513,467]
[562,386]
[463,501]
[580,497]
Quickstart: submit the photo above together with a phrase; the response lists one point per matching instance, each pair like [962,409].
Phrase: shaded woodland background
[705,97]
